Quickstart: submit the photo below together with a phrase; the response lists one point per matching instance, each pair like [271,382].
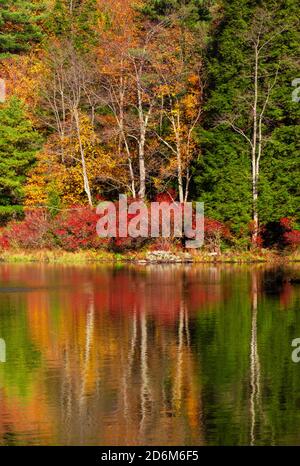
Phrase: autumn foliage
[31,233]
[70,230]
[117,103]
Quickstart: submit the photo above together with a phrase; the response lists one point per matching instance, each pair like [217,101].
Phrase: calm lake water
[151,355]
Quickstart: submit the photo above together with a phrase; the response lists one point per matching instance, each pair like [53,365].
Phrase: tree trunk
[176,129]
[254,149]
[143,121]
[84,170]
[120,121]
[142,169]
[180,177]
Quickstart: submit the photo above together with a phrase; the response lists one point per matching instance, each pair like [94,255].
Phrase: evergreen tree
[223,175]
[18,145]
[75,20]
[190,11]
[20,25]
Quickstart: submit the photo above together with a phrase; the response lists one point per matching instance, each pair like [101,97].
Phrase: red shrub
[281,234]
[31,233]
[168,196]
[215,228]
[214,233]
[164,244]
[286,223]
[292,238]
[120,244]
[76,229]
[4,242]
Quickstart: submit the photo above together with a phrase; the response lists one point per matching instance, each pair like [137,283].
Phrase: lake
[150,355]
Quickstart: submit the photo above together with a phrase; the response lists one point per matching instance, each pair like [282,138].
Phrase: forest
[185,100]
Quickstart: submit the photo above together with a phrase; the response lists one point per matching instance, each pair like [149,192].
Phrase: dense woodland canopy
[192,97]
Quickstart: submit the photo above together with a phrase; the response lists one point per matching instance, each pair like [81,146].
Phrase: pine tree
[20,25]
[190,11]
[75,20]
[18,145]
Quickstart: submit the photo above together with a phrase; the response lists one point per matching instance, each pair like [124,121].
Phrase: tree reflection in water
[148,355]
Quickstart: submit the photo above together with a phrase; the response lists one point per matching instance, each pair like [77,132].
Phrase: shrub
[280,234]
[214,233]
[4,242]
[122,244]
[292,239]
[9,213]
[76,229]
[31,233]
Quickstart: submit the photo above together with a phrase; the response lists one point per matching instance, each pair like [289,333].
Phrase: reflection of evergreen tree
[281,377]
[22,356]
[224,340]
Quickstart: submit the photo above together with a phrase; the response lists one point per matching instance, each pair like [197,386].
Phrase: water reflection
[149,355]
[254,358]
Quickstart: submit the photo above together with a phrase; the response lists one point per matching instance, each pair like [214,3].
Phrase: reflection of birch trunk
[87,353]
[177,396]
[187,329]
[145,390]
[66,392]
[254,360]
[128,368]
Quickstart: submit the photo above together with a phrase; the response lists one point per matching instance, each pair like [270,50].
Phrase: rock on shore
[166,257]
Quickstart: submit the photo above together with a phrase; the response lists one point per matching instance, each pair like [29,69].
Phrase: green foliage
[18,145]
[224,358]
[19,347]
[77,23]
[223,342]
[223,171]
[222,178]
[279,183]
[10,212]
[20,25]
[191,11]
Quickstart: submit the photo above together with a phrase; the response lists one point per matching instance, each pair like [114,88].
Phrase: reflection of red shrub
[32,232]
[76,229]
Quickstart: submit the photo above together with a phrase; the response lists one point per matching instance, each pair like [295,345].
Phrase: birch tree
[264,71]
[67,90]
[127,86]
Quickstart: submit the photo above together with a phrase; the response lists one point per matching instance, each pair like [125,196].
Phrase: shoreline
[146,257]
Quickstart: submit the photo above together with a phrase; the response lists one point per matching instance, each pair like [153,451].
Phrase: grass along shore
[145,256]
